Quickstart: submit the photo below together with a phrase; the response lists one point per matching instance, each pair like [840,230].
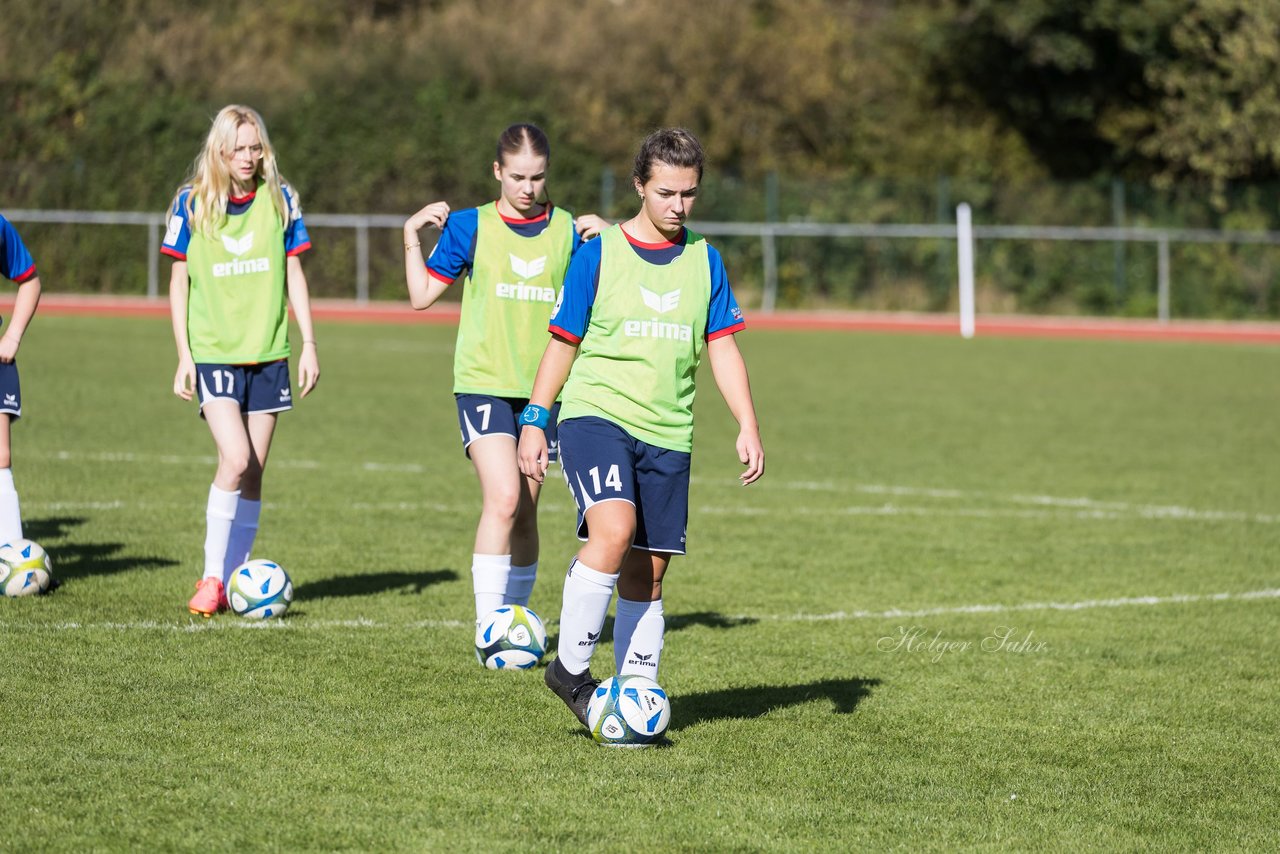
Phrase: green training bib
[507,302]
[236,310]
[641,350]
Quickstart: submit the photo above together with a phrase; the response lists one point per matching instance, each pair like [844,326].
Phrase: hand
[751,454]
[436,213]
[532,453]
[308,368]
[8,349]
[184,381]
[590,225]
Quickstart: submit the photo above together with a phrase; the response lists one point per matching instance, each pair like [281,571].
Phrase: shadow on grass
[706,619]
[757,701]
[50,528]
[373,583]
[77,560]
[675,622]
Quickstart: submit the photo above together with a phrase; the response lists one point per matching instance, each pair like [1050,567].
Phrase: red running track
[1227,332]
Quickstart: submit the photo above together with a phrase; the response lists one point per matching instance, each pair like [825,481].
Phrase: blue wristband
[535,416]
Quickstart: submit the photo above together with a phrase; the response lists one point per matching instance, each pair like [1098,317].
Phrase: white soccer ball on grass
[628,711]
[260,590]
[510,637]
[25,568]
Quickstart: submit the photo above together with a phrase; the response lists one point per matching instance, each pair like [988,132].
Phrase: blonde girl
[235,234]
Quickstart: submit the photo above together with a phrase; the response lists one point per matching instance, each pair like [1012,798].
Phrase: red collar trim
[517,220]
[664,244]
[240,200]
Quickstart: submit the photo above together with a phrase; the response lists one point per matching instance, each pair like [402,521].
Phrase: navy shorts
[10,391]
[602,462]
[485,415]
[257,388]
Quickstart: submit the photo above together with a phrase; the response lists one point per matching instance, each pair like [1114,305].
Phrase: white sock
[244,530]
[10,514]
[520,584]
[637,637]
[586,602]
[489,574]
[219,515]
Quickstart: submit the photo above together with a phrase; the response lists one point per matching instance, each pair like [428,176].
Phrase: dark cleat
[576,691]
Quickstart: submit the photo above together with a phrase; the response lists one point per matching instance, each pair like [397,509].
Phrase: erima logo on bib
[239,267]
[520,291]
[528,269]
[238,247]
[661,303]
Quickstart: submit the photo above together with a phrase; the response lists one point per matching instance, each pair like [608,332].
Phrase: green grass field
[833,645]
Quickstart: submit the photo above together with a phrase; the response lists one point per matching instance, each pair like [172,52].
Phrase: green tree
[1217,111]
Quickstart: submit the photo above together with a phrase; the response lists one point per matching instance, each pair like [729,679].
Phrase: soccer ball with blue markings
[260,590]
[511,637]
[25,568]
[628,711]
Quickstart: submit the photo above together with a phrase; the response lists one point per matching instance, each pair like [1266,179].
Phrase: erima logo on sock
[643,660]
[591,639]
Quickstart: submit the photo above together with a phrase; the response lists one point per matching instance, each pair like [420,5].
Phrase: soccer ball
[260,589]
[628,711]
[510,638]
[24,568]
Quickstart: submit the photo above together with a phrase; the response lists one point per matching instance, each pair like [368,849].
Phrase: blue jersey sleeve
[177,234]
[455,251]
[724,317]
[296,239]
[573,311]
[16,262]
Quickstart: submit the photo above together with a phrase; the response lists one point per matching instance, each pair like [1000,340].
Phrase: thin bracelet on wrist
[409,246]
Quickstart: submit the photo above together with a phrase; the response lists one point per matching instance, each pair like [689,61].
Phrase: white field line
[1079,507]
[1104,508]
[1183,514]
[236,625]
[302,623]
[882,510]
[1084,605]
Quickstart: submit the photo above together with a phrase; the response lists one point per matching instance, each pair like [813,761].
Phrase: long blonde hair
[210,176]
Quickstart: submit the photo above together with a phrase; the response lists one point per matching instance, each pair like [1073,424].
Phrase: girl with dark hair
[512,254]
[639,307]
